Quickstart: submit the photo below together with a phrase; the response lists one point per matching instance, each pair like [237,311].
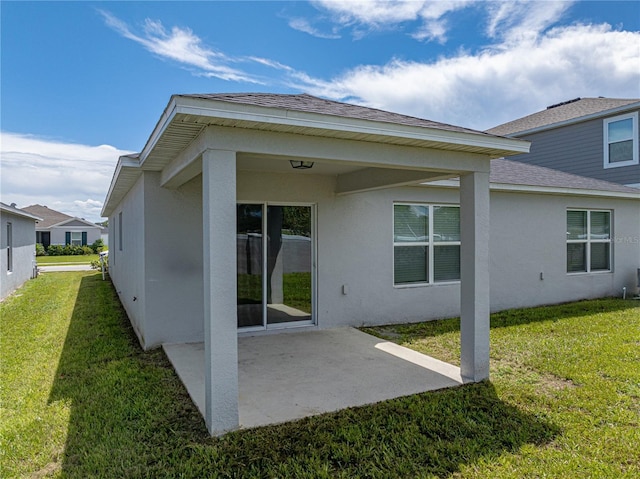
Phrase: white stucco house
[18,248]
[264,212]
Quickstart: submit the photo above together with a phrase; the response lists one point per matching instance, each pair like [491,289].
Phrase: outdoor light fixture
[301,165]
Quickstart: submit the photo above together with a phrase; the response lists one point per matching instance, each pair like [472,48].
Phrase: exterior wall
[355,249]
[577,149]
[173,262]
[158,271]
[528,237]
[58,233]
[23,255]
[126,257]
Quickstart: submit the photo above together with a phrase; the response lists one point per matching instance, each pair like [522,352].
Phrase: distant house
[256,213]
[18,248]
[61,229]
[594,137]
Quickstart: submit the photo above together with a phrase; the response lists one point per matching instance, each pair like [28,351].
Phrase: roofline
[580,119]
[124,161]
[256,113]
[549,190]
[18,212]
[73,218]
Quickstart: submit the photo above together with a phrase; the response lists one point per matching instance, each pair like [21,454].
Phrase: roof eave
[125,163]
[580,119]
[493,145]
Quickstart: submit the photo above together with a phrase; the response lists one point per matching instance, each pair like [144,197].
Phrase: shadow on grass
[503,319]
[131,417]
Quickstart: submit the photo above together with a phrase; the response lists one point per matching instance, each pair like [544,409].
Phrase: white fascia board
[63,223]
[580,119]
[18,212]
[542,190]
[124,162]
[555,190]
[294,118]
[167,116]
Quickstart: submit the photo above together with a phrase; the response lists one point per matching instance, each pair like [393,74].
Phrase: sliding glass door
[275,265]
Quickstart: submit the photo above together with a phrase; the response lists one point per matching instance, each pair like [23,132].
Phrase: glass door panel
[250,265]
[289,264]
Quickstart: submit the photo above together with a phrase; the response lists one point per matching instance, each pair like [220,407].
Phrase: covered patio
[211,153]
[283,377]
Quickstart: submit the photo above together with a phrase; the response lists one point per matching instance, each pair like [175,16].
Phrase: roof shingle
[312,104]
[517,173]
[570,110]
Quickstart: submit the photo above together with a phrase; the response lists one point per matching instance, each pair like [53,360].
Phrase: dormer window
[621,140]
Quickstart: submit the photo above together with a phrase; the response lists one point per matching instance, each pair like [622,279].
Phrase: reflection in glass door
[275,280]
[250,265]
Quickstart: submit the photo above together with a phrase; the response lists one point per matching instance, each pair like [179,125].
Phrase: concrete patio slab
[283,377]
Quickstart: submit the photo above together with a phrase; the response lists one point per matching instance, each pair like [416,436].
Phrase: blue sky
[83,82]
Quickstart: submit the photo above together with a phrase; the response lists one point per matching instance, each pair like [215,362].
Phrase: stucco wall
[354,248]
[126,259]
[528,237]
[173,261]
[23,239]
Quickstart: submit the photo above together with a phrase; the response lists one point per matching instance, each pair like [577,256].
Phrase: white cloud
[182,46]
[518,21]
[500,83]
[68,177]
[303,25]
[390,14]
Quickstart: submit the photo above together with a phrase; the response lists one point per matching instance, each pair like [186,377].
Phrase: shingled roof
[311,104]
[49,217]
[564,112]
[517,173]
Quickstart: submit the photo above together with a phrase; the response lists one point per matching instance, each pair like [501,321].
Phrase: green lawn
[74,259]
[80,399]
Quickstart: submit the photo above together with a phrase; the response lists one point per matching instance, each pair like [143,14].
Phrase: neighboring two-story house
[594,137]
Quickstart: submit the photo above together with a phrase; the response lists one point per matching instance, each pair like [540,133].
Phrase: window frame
[9,247]
[430,244]
[635,160]
[72,239]
[588,241]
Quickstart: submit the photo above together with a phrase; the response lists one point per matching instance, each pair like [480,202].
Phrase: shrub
[97,246]
[87,250]
[55,250]
[40,251]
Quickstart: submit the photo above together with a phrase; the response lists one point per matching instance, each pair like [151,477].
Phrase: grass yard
[74,259]
[80,399]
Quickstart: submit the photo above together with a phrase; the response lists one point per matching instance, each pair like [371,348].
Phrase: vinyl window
[621,140]
[588,241]
[426,243]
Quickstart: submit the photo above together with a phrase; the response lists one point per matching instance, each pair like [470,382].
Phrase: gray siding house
[594,137]
[17,260]
[262,213]
[61,229]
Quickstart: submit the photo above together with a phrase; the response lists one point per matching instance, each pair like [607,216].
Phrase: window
[621,141]
[76,238]
[9,247]
[426,243]
[588,241]
[120,231]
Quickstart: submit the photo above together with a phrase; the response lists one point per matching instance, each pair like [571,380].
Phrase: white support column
[220,295]
[474,272]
